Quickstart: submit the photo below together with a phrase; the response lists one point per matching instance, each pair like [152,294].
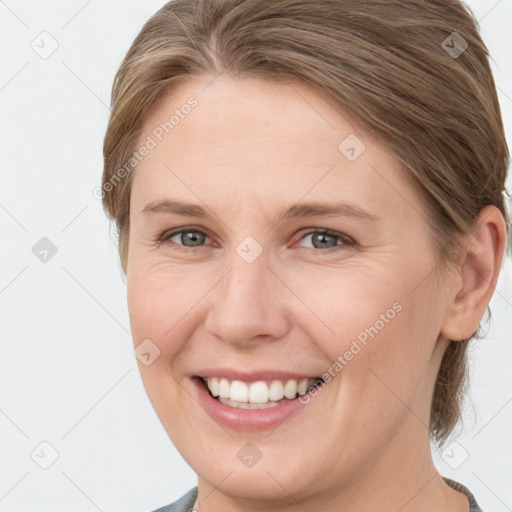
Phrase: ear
[478,274]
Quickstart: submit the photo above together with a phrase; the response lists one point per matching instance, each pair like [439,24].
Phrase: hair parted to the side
[382,62]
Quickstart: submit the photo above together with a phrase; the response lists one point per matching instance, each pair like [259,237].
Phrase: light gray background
[68,376]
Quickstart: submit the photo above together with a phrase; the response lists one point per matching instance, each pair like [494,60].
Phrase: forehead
[228,111]
[262,141]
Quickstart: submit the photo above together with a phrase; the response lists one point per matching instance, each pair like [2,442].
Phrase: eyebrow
[299,210]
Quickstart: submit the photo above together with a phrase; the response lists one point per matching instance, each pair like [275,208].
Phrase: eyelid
[347,241]
[166,235]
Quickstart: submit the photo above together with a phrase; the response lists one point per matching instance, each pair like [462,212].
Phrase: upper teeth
[258,392]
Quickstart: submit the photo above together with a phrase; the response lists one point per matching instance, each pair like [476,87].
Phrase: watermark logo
[352,147]
[146,352]
[249,455]
[44,455]
[44,250]
[455,455]
[249,250]
[45,45]
[454,45]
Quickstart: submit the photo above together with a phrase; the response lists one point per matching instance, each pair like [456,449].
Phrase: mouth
[257,394]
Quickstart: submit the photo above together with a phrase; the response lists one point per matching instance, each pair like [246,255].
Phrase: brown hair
[402,69]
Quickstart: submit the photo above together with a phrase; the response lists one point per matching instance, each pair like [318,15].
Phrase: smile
[258,394]
[254,405]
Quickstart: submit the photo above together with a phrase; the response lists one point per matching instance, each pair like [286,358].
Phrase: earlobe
[474,284]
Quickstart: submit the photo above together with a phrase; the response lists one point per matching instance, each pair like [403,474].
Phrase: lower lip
[245,419]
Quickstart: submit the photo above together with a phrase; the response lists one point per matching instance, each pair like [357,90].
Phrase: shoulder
[184,504]
[473,505]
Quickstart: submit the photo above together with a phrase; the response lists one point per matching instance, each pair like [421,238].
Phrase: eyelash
[347,241]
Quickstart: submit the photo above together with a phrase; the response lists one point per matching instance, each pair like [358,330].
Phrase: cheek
[159,301]
[159,298]
[386,379]
[346,310]
[379,339]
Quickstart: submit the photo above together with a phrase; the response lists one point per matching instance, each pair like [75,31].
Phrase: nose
[248,304]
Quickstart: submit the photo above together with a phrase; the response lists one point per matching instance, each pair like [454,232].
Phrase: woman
[310,210]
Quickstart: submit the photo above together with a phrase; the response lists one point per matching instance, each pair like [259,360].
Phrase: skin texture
[247,151]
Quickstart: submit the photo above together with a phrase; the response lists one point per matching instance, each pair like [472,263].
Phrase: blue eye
[326,236]
[187,235]
[191,238]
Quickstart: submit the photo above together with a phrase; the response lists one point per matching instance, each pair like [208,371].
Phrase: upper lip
[255,375]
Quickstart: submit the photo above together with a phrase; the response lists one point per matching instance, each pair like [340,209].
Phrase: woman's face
[249,292]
